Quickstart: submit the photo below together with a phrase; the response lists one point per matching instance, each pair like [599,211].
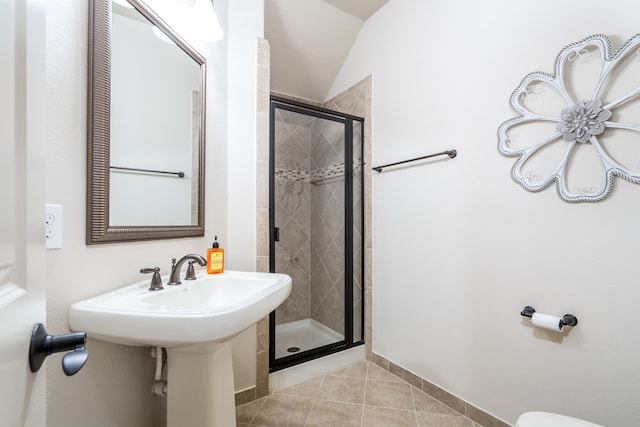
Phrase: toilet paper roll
[545,321]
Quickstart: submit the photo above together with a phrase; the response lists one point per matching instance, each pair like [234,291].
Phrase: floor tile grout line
[413,401]
[315,400]
[388,381]
[340,401]
[259,409]
[366,381]
[393,409]
[313,405]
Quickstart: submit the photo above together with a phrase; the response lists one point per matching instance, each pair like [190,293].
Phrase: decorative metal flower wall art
[580,126]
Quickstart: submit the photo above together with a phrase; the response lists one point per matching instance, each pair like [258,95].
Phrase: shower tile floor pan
[304,335]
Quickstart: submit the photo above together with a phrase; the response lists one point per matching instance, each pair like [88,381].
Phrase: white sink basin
[213,308]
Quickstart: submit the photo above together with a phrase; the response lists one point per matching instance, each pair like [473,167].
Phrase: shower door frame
[348,121]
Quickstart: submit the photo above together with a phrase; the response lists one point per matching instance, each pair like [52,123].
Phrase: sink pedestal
[195,323]
[200,389]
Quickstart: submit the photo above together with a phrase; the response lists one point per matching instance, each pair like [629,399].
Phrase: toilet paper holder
[566,320]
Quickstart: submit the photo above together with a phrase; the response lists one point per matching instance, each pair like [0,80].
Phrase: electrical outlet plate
[53,226]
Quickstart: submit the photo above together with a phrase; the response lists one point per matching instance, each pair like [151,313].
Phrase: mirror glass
[146,127]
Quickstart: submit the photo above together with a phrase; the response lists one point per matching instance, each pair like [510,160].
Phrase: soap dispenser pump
[215,258]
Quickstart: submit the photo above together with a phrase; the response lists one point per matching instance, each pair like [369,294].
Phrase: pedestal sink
[194,322]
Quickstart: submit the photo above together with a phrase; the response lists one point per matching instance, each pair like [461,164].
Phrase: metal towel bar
[450,153]
[179,174]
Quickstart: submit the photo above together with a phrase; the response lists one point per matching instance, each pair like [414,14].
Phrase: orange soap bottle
[215,258]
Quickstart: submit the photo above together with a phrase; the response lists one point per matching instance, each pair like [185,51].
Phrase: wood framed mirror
[146,127]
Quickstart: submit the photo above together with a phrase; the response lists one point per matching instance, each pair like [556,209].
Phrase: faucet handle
[191,273]
[156,280]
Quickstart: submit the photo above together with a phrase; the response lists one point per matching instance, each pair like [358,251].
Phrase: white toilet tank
[546,419]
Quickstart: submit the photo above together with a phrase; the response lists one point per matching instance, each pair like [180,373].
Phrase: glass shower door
[314,232]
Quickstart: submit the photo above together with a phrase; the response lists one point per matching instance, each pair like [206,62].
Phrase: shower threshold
[302,335]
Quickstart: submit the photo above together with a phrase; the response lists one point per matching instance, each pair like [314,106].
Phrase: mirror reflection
[145,167]
[155,122]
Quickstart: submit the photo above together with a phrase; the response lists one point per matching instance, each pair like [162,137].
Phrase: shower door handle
[276,234]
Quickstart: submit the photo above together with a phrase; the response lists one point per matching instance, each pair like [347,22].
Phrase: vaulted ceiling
[310,40]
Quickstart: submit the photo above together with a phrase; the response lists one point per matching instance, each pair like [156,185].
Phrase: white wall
[245,26]
[246,19]
[460,249]
[113,389]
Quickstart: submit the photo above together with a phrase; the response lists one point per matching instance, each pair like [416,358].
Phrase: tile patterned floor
[360,395]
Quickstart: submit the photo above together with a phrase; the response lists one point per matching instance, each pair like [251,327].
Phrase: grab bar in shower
[450,153]
[179,174]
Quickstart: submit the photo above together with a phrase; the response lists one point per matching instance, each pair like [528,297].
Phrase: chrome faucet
[174,277]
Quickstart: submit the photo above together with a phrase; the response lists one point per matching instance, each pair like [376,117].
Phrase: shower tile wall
[327,225]
[357,234]
[292,211]
[357,101]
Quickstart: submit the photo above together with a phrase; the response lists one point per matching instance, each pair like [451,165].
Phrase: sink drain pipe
[159,388]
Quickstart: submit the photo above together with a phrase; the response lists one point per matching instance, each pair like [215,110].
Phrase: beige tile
[385,417]
[263,83]
[368,313]
[262,375]
[443,396]
[406,375]
[483,418]
[375,372]
[262,225]
[380,360]
[342,389]
[282,410]
[245,413]
[262,191]
[368,334]
[245,396]
[308,388]
[262,332]
[262,137]
[330,414]
[425,403]
[389,394]
[442,420]
[262,263]
[264,52]
[357,370]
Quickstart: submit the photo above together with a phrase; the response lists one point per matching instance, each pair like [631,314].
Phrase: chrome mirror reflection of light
[124,3]
[162,36]
[207,26]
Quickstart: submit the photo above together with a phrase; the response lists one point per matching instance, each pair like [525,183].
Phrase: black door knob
[42,345]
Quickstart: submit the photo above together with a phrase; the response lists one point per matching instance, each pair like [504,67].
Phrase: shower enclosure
[317,236]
